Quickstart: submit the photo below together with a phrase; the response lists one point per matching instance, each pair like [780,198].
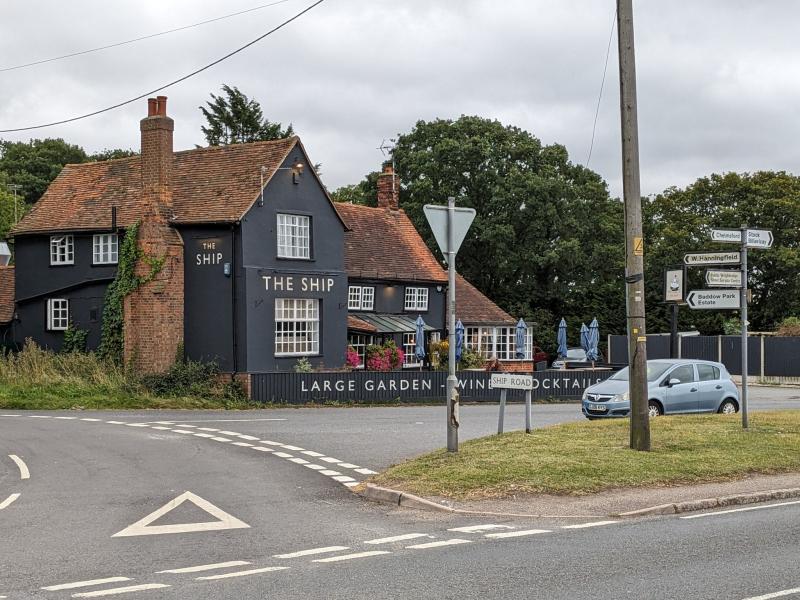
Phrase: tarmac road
[274,493]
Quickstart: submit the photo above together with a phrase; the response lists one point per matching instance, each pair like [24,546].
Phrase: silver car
[674,386]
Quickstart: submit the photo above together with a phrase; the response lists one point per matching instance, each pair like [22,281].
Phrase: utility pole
[14,187]
[452,382]
[634,246]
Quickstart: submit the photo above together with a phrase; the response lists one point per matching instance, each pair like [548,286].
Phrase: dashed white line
[42,417]
[249,437]
[207,429]
[184,431]
[66,418]
[451,542]
[8,501]
[294,448]
[343,479]
[23,468]
[513,534]
[348,466]
[185,425]
[397,538]
[328,459]
[316,467]
[134,424]
[585,525]
[243,444]
[283,455]
[299,461]
[269,443]
[77,584]
[115,422]
[262,449]
[10,415]
[351,483]
[92,420]
[162,428]
[122,590]
[479,528]
[240,573]
[205,435]
[351,556]
[199,568]
[230,433]
[365,471]
[312,453]
[330,473]
[311,552]
[220,439]
[735,510]
[165,422]
[775,594]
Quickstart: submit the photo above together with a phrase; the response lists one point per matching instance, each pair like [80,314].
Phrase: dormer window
[106,249]
[62,250]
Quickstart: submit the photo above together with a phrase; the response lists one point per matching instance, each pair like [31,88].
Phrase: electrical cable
[605,69]
[163,87]
[139,39]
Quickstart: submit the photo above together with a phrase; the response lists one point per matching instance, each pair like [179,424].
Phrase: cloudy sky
[719,81]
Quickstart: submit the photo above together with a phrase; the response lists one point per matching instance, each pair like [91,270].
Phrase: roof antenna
[384,148]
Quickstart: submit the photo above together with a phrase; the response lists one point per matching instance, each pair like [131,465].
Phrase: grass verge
[588,457]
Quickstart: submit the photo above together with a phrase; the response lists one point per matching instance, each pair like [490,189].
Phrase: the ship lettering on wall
[209,256]
[306,284]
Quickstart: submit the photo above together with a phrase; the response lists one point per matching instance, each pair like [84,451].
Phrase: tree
[111,154]
[546,237]
[679,221]
[236,119]
[35,164]
[364,193]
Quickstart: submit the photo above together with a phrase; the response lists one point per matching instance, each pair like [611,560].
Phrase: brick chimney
[388,189]
[154,312]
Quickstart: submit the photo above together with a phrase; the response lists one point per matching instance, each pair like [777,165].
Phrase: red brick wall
[388,189]
[525,366]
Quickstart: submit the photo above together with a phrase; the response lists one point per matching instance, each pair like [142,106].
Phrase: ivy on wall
[126,281]
[74,339]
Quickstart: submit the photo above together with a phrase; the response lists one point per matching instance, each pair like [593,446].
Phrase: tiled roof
[472,307]
[6,294]
[383,244]
[359,325]
[215,184]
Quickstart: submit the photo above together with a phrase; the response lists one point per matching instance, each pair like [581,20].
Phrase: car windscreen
[654,371]
[576,354]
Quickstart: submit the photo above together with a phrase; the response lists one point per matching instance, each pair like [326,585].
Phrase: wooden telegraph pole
[634,246]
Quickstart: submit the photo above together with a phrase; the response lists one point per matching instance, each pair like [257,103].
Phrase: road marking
[229,420]
[42,417]
[220,439]
[10,415]
[299,461]
[66,418]
[262,449]
[312,552]
[271,443]
[23,468]
[284,455]
[312,453]
[184,431]
[294,448]
[243,444]
[351,483]
[133,424]
[143,527]
[452,542]
[585,525]
[348,466]
[248,437]
[207,429]
[342,478]
[329,472]
[184,425]
[479,528]
[397,538]
[162,428]
[225,565]
[92,420]
[122,590]
[512,534]
[233,433]
[316,467]
[352,556]
[9,500]
[775,594]
[77,584]
[366,471]
[240,573]
[328,459]
[165,422]
[115,422]
[735,510]
[205,435]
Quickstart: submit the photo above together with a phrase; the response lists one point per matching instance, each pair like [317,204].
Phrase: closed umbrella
[521,328]
[419,350]
[459,340]
[594,339]
[585,337]
[562,341]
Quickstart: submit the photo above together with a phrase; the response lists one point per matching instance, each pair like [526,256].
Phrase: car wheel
[728,408]
[653,409]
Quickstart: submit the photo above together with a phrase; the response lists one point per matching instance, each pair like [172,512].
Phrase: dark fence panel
[781,357]
[301,388]
[700,348]
[657,347]
[732,354]
[618,349]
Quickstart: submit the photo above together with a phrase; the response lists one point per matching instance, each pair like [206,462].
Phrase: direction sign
[714,299]
[756,238]
[437,219]
[510,381]
[724,278]
[712,258]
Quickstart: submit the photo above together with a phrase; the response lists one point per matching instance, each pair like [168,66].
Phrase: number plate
[601,407]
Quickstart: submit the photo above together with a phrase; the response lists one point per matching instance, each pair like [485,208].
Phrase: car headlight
[623,397]
[585,394]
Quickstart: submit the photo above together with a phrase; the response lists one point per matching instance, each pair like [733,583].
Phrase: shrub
[383,358]
[789,327]
[353,361]
[303,366]
[184,378]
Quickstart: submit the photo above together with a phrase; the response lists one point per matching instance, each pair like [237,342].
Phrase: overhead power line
[163,87]
[605,69]
[139,39]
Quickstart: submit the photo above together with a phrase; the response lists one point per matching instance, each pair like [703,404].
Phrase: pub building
[260,266]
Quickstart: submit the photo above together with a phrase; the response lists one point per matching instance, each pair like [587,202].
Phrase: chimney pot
[151,107]
[162,105]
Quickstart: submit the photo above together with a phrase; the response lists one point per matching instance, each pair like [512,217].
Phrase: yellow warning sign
[638,247]
[641,338]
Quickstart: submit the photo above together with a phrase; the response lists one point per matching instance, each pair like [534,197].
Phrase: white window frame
[294,236]
[409,345]
[499,342]
[360,298]
[62,250]
[57,314]
[359,343]
[416,299]
[105,249]
[297,327]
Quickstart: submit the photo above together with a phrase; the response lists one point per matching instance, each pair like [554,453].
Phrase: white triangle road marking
[143,526]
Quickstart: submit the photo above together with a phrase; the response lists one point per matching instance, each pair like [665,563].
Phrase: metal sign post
[449,225]
[674,296]
[745,236]
[509,381]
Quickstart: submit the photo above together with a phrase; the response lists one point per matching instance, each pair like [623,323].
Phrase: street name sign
[756,238]
[723,277]
[510,381]
[437,219]
[712,258]
[714,299]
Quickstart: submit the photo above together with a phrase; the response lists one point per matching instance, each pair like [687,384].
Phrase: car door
[710,388]
[681,397]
